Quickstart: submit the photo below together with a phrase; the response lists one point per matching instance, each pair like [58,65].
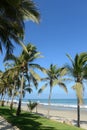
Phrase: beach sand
[65,116]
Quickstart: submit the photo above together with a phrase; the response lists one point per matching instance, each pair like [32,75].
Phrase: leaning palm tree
[12,17]
[54,78]
[78,70]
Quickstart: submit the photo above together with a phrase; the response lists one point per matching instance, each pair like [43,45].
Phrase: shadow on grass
[25,121]
[81,122]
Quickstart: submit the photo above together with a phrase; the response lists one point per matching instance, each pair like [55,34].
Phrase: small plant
[32,105]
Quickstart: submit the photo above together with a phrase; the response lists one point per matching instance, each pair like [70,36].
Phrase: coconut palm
[27,68]
[4,86]
[13,82]
[12,17]
[78,70]
[24,64]
[54,78]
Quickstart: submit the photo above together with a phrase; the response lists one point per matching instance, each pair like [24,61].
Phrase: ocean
[59,103]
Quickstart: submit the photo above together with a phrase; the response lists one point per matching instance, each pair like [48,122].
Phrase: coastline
[68,116]
[61,114]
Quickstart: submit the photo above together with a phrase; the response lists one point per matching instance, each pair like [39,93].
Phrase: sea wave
[64,105]
[56,105]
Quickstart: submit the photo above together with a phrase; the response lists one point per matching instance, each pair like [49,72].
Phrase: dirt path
[4,125]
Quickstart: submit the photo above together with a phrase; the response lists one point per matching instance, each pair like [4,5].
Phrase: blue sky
[62,29]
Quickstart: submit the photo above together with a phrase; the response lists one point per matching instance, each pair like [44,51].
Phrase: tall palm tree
[54,78]
[12,17]
[78,70]
[26,67]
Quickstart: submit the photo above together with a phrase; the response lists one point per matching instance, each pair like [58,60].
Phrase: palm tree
[78,70]
[3,88]
[26,68]
[13,82]
[32,105]
[54,77]
[12,17]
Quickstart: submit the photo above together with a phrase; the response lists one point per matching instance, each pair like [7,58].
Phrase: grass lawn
[27,121]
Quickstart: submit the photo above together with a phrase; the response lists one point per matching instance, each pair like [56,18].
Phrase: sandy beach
[64,116]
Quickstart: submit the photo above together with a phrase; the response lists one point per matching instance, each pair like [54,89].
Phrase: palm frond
[78,87]
[38,67]
[55,82]
[62,85]
[10,57]
[30,11]
[69,70]
[70,58]
[76,61]
[35,75]
[45,79]
[35,56]
[42,88]
[28,89]
[27,77]
[34,81]
[82,58]
[63,71]
[22,44]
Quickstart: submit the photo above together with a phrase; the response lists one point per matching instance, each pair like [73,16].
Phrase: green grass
[27,121]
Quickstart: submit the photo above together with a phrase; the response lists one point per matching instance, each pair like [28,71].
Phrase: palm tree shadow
[81,122]
[31,123]
[25,121]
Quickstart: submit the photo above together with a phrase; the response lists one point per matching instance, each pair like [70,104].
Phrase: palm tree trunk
[1,96]
[49,101]
[11,105]
[19,108]
[20,98]
[78,112]
[2,99]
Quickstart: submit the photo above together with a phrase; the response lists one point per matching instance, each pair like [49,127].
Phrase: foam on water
[56,103]
[65,105]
